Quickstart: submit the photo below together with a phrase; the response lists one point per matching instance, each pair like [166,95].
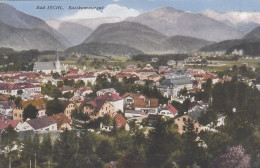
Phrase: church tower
[57,63]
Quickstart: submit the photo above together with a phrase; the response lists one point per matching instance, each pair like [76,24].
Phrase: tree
[20,92]
[55,75]
[190,144]
[163,140]
[9,139]
[184,91]
[46,150]
[17,100]
[66,149]
[79,83]
[129,160]
[106,151]
[30,112]
[11,98]
[68,95]
[55,92]
[234,157]
[54,106]
[186,105]
[83,118]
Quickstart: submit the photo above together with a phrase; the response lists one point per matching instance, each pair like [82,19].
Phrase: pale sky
[125,8]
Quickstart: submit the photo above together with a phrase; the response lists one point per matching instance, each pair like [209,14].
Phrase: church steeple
[57,63]
[57,56]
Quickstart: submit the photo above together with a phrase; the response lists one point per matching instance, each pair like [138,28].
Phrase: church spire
[57,56]
[57,63]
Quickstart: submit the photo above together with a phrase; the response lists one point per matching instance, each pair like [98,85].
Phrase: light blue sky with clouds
[29,7]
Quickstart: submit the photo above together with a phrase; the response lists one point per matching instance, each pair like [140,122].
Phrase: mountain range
[22,31]
[243,21]
[250,44]
[160,31]
[170,21]
[76,31]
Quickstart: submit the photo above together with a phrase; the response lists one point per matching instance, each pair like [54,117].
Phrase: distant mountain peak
[167,9]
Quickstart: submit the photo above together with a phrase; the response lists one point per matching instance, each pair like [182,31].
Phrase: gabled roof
[7,104]
[60,119]
[95,103]
[40,122]
[120,120]
[171,109]
[66,88]
[133,95]
[146,103]
[3,97]
[38,103]
[6,121]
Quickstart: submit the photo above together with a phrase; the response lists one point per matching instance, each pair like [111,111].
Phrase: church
[48,67]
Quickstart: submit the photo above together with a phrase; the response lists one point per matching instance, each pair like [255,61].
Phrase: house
[148,105]
[130,97]
[181,123]
[120,122]
[6,108]
[144,74]
[65,89]
[18,110]
[168,111]
[97,108]
[104,91]
[5,121]
[121,76]
[114,99]
[69,107]
[76,77]
[14,88]
[40,124]
[83,91]
[62,121]
[197,106]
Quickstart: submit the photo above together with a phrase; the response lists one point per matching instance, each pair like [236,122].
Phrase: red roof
[110,97]
[171,109]
[5,122]
[60,119]
[146,103]
[76,76]
[120,120]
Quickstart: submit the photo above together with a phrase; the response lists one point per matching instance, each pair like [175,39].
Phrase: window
[15,114]
[197,129]
[20,115]
[184,119]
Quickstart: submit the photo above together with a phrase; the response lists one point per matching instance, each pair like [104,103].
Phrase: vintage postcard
[130,84]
